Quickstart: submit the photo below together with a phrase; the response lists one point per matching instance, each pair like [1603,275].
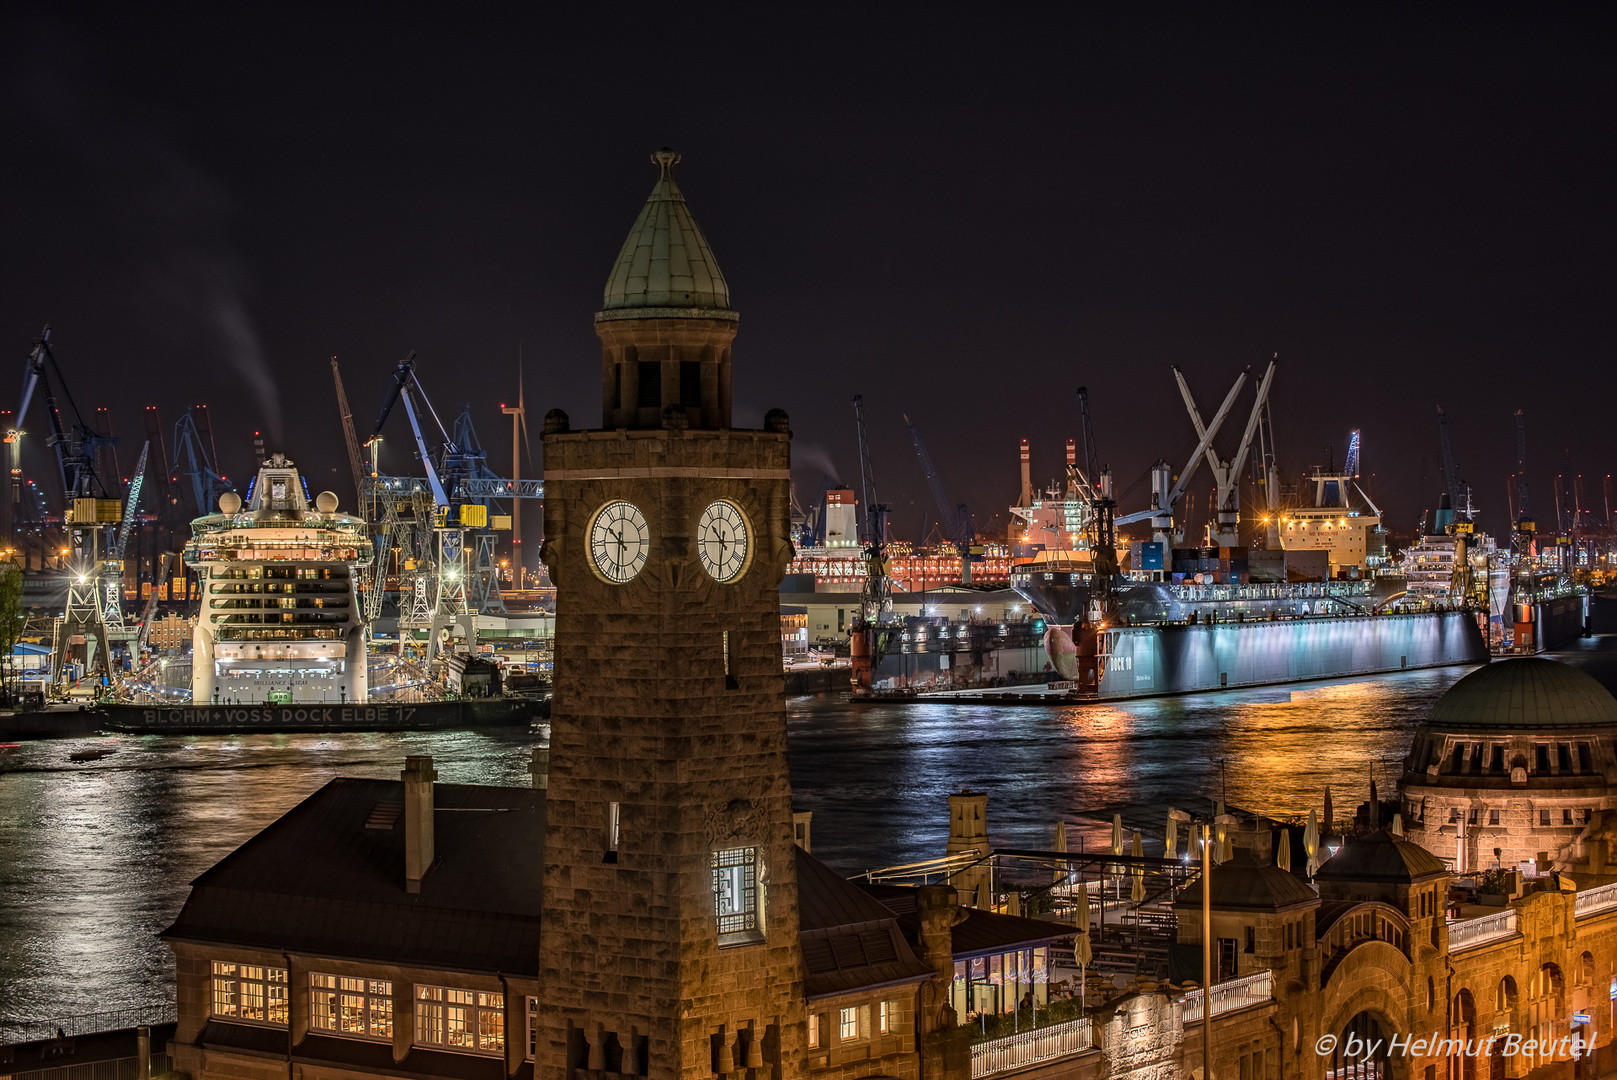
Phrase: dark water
[96,858]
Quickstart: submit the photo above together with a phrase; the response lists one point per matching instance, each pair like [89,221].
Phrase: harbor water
[96,856]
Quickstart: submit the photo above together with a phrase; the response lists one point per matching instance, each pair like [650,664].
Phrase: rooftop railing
[1229,996]
[1470,933]
[1589,901]
[1030,1047]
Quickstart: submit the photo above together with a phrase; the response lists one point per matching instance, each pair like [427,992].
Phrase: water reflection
[96,858]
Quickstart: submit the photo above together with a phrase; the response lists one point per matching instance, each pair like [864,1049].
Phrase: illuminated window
[814,1028]
[887,1017]
[848,1024]
[533,1028]
[471,1020]
[736,900]
[348,1006]
[249,992]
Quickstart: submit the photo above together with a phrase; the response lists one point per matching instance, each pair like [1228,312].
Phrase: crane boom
[1524,510]
[1351,468]
[136,482]
[947,511]
[356,460]
[1451,472]
[1091,464]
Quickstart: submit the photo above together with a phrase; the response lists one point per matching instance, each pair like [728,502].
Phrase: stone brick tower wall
[668,726]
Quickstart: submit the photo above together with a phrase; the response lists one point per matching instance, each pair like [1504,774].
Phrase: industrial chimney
[1027,476]
[418,776]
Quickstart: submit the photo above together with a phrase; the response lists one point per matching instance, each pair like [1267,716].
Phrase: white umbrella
[1138,852]
[1171,850]
[1117,834]
[1311,843]
[1283,857]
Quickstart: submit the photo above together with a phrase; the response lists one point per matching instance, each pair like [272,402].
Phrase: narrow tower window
[613,821]
[737,899]
[690,384]
[651,384]
[729,677]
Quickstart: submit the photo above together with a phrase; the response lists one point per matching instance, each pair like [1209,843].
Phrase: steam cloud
[167,218]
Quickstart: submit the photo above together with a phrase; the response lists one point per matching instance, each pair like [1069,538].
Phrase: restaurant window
[736,900]
[351,1006]
[471,1020]
[249,992]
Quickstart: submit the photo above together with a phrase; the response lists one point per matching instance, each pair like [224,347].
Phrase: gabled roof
[327,878]
[850,941]
[666,269]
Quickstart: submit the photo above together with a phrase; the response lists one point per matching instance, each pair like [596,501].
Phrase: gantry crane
[89,514]
[461,488]
[1226,527]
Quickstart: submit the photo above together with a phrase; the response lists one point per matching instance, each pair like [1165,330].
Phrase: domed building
[1512,766]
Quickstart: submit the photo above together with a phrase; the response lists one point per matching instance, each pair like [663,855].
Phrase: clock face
[722,537]
[619,541]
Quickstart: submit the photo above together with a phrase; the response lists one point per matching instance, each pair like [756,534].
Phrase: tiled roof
[319,881]
[666,269]
[850,941]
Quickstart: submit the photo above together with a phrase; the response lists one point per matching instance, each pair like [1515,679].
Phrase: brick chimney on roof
[418,776]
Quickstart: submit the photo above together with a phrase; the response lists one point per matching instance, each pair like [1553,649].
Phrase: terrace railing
[1590,901]
[1229,996]
[1470,933]
[1030,1047]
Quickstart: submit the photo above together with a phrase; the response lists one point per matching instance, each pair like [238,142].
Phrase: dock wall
[1146,661]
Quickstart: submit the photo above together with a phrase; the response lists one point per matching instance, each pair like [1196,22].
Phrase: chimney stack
[1027,476]
[418,776]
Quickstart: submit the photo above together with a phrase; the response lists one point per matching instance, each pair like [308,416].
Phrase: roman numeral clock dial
[619,541]
[722,541]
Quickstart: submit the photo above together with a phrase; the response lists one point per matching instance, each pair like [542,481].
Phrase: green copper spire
[666,270]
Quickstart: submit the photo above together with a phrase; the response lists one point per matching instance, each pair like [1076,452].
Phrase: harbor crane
[1453,486]
[89,514]
[866,643]
[1226,528]
[1097,488]
[957,516]
[1524,511]
[1165,491]
[461,488]
[356,458]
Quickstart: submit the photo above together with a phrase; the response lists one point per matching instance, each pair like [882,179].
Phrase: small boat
[95,753]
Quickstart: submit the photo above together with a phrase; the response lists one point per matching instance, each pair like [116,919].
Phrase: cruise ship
[280,622]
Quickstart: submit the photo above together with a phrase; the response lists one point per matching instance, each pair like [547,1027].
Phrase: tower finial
[665,160]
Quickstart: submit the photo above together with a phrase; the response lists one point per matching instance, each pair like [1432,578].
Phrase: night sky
[961,219]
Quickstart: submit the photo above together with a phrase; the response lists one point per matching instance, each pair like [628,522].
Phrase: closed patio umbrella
[1311,843]
[1283,857]
[1138,852]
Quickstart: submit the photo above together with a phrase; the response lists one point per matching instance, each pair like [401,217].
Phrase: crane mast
[356,460]
[865,642]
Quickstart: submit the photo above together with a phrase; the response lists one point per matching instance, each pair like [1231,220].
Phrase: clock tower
[669,941]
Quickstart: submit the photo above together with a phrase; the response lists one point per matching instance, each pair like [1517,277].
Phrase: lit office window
[348,1006]
[249,992]
[471,1020]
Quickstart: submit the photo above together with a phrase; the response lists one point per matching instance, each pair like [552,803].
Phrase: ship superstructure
[280,621]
